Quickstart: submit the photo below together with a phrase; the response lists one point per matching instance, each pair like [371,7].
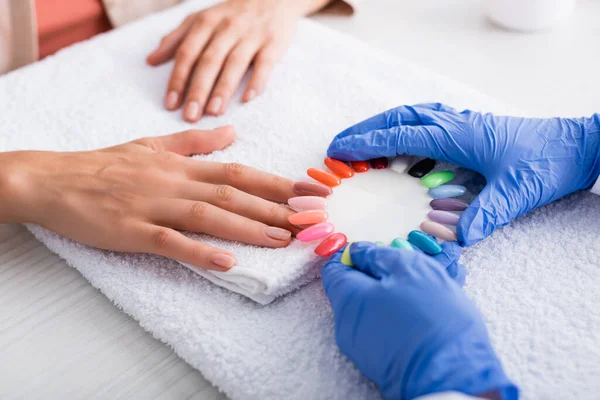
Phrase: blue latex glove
[527,162]
[409,327]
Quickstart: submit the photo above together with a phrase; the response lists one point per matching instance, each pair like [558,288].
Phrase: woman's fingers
[236,201]
[250,180]
[233,71]
[192,141]
[207,70]
[169,243]
[169,44]
[186,57]
[202,217]
[264,62]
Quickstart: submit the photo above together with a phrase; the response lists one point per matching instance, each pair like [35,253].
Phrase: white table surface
[61,338]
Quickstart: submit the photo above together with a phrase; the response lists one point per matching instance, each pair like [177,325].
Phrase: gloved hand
[527,162]
[409,327]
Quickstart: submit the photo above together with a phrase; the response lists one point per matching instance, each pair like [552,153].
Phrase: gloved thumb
[339,280]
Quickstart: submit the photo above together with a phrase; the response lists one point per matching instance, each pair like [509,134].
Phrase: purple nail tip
[448,204]
[443,217]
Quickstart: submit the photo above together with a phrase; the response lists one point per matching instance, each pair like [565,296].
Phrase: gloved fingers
[430,141]
[438,141]
[436,107]
[389,142]
[458,273]
[448,259]
[339,280]
[479,219]
[379,261]
[450,254]
[403,115]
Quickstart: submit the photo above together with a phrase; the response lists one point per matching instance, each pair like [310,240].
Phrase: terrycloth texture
[536,281]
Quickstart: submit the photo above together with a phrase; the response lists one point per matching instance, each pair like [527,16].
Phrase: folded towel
[536,280]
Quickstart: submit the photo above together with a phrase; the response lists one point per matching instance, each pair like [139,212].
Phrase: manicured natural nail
[191,111]
[215,105]
[223,260]
[311,188]
[250,94]
[171,100]
[277,233]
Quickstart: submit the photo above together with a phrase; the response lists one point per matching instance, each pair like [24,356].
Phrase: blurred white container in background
[528,15]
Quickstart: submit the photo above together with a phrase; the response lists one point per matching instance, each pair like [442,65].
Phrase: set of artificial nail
[444,205]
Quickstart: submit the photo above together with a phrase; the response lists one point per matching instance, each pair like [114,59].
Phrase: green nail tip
[401,244]
[437,178]
[379,243]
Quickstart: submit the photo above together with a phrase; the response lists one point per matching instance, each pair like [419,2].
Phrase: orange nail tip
[308,217]
[360,166]
[324,177]
[339,168]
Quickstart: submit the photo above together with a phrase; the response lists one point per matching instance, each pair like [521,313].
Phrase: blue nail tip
[424,242]
[445,191]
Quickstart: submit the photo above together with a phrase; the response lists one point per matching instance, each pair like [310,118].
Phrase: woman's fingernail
[311,188]
[250,95]
[171,100]
[191,111]
[215,105]
[277,233]
[223,260]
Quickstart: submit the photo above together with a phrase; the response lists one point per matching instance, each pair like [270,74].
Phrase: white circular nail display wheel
[371,202]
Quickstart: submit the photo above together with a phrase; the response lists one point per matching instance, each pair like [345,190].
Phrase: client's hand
[135,196]
[214,48]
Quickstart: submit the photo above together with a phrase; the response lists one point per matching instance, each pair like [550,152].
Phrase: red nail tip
[380,163]
[331,244]
[360,166]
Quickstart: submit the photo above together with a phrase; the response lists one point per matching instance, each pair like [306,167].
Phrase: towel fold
[535,280]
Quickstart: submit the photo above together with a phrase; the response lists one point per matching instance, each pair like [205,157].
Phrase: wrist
[14,198]
[464,362]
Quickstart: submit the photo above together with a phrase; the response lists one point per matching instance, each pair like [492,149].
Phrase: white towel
[536,281]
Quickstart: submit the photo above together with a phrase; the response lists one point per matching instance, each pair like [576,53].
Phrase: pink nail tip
[308,202]
[315,232]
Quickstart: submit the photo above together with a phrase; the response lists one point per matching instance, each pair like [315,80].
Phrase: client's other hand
[214,48]
[136,196]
